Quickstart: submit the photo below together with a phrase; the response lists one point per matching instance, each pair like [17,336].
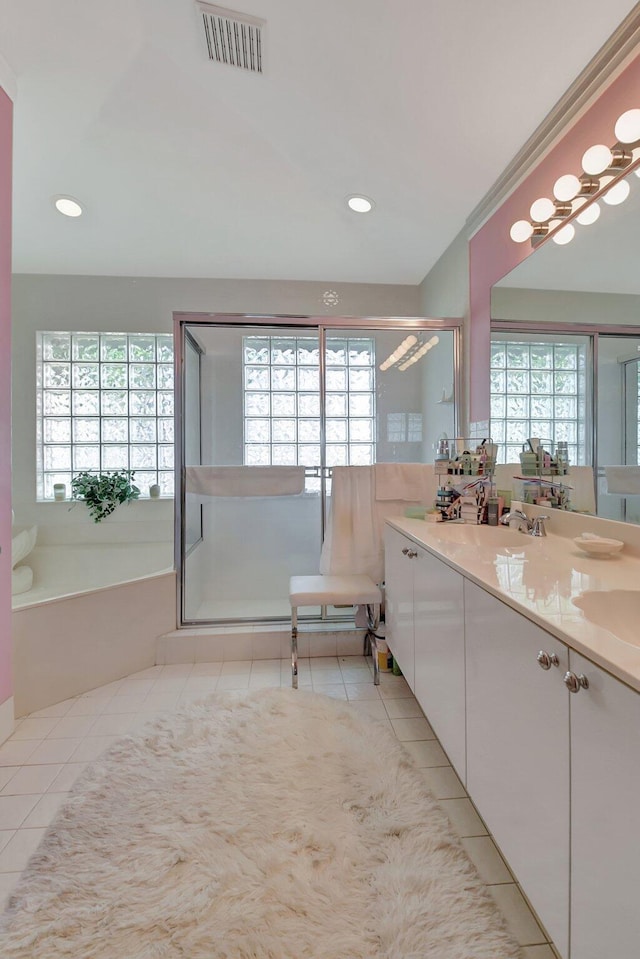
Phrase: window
[105,402]
[538,388]
[282,401]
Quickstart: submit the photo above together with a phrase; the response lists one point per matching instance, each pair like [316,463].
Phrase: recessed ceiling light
[67,205]
[359,203]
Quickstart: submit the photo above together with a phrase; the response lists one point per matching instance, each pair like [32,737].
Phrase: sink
[493,537]
[617,610]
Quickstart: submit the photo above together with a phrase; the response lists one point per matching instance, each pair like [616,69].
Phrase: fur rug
[275,825]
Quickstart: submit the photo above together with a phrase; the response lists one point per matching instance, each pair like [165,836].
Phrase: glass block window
[282,401]
[105,402]
[538,388]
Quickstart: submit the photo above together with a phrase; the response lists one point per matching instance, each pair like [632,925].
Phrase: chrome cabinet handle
[546,660]
[575,683]
[410,553]
[405,551]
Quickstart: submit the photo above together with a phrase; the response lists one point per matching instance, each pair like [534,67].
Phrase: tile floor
[48,749]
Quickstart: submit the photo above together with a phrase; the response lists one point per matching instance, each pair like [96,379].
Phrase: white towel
[623,479]
[352,542]
[245,480]
[405,482]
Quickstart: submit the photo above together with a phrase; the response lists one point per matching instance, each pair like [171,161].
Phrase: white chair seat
[333,591]
[358,590]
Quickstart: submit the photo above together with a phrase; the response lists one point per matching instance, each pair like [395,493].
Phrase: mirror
[593,281]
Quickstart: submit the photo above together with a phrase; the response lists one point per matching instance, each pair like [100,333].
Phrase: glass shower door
[259,407]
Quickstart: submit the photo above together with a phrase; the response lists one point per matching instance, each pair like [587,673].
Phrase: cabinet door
[439,652]
[518,750]
[605,806]
[398,600]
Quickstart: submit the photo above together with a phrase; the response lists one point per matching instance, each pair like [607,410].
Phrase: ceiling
[190,168]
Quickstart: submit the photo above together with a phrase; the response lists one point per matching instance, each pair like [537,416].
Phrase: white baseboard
[7,721]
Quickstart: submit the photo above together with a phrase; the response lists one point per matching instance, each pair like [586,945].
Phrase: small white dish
[598,546]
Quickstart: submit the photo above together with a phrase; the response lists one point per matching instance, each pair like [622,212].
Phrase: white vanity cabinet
[425,631]
[605,808]
[439,653]
[518,750]
[398,599]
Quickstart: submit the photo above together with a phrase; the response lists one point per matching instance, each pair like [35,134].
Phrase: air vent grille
[232,37]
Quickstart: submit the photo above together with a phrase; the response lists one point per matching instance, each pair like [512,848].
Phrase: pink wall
[492,253]
[6,118]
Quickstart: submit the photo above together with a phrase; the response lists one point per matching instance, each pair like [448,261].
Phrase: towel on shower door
[624,480]
[244,480]
[352,544]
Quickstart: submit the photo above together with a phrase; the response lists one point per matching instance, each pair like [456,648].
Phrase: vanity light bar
[600,165]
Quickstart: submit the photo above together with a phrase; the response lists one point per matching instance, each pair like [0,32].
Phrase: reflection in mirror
[589,288]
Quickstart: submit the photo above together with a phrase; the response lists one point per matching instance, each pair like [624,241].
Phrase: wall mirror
[588,291]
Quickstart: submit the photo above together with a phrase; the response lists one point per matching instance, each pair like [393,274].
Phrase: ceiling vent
[232,37]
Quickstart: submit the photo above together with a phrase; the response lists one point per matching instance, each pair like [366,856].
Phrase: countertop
[539,577]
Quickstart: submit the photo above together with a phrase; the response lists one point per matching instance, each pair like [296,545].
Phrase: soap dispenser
[442,447]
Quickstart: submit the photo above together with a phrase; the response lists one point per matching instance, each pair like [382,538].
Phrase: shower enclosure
[294,396]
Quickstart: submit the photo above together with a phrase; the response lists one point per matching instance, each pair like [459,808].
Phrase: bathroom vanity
[537,707]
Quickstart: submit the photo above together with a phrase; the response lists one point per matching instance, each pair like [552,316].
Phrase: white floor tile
[91,747]
[117,724]
[403,708]
[5,836]
[53,751]
[487,860]
[233,681]
[88,706]
[358,691]
[239,667]
[427,752]
[30,728]
[6,774]
[412,729]
[464,819]
[205,669]
[264,681]
[326,676]
[443,782]
[371,708]
[67,777]
[177,670]
[15,855]
[519,918]
[157,702]
[71,727]
[15,753]
[538,952]
[44,810]
[14,810]
[394,690]
[32,779]
[59,709]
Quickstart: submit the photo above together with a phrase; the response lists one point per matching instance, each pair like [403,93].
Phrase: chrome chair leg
[294,647]
[373,620]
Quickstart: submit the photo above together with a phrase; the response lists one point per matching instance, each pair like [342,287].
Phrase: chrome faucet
[517,519]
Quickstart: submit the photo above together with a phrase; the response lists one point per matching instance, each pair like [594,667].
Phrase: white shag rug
[274,825]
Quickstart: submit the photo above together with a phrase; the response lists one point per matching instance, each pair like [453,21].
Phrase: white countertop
[539,577]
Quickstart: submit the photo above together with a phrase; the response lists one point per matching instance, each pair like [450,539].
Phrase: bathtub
[65,570]
[93,615]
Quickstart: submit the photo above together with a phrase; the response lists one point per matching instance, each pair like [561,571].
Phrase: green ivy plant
[102,492]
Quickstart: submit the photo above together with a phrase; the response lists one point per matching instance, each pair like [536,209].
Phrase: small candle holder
[59,492]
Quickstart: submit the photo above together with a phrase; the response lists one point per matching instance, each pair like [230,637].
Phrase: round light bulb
[589,215]
[520,231]
[566,187]
[565,235]
[542,209]
[618,193]
[627,128]
[597,159]
[67,206]
[360,204]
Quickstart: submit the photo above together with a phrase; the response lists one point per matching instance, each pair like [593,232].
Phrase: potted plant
[102,492]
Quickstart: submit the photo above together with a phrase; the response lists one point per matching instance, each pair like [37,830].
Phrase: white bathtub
[93,615]
[65,570]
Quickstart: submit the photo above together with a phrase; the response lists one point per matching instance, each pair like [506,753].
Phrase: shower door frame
[321,325]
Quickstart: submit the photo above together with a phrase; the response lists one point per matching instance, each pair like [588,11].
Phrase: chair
[335,591]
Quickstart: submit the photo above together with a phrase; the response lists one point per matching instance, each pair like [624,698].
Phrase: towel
[352,543]
[245,480]
[404,482]
[623,479]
